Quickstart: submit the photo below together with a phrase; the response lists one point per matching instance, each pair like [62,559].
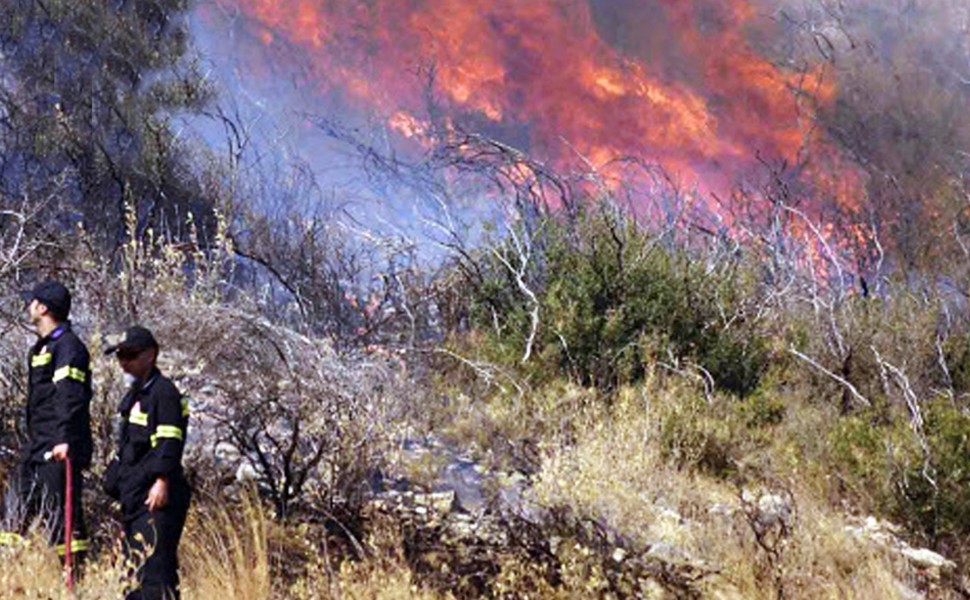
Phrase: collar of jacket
[140,386]
[152,376]
[60,330]
[136,390]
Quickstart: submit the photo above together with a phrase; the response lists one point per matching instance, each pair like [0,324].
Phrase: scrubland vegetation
[650,407]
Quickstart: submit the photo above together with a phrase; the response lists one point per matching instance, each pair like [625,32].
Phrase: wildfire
[700,101]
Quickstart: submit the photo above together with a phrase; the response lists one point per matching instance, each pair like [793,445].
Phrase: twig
[852,389]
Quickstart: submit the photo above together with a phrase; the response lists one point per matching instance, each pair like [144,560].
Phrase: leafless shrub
[300,416]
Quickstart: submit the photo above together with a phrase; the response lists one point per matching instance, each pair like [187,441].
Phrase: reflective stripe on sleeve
[170,432]
[69,372]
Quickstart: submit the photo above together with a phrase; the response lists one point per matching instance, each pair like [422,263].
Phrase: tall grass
[226,552]
[32,570]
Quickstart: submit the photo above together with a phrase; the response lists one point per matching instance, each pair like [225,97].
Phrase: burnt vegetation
[657,398]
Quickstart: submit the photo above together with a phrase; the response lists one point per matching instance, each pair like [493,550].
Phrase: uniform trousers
[151,543]
[42,489]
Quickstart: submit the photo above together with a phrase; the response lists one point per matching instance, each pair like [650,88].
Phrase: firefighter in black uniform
[146,476]
[58,419]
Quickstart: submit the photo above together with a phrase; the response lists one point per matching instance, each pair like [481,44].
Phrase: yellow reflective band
[69,372]
[170,432]
[138,417]
[41,359]
[185,407]
[76,546]
[9,538]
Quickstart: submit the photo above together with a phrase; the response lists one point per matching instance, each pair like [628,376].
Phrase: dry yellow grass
[616,473]
[33,571]
[225,553]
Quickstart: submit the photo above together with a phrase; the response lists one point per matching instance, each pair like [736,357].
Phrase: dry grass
[618,473]
[33,571]
[225,553]
[381,580]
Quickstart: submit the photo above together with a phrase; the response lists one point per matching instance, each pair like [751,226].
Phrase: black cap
[53,295]
[134,338]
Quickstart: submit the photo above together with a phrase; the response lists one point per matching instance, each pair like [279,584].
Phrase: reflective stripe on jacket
[59,396]
[154,424]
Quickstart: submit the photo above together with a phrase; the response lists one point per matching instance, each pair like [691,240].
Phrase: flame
[407,125]
[702,102]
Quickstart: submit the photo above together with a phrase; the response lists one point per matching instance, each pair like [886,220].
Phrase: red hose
[68,523]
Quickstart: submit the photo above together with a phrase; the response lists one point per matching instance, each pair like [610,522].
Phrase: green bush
[613,301]
[957,355]
[761,409]
[941,511]
[861,452]
[886,464]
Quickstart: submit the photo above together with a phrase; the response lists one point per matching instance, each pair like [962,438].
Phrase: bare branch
[852,389]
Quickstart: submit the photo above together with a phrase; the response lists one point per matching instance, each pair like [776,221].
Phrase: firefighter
[146,476]
[58,421]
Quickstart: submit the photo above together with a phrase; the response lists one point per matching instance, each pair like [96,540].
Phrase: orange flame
[705,106]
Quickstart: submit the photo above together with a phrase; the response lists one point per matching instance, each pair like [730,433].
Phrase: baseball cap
[134,338]
[53,295]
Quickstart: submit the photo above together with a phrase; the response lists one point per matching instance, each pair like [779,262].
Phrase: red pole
[68,524]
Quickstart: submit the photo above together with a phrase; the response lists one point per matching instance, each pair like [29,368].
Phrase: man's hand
[59,452]
[158,495]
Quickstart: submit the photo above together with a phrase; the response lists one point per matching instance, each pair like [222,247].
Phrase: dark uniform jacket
[59,397]
[154,424]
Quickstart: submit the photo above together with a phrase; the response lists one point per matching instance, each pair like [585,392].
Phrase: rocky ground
[465,522]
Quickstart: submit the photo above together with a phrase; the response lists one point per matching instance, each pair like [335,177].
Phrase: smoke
[902,70]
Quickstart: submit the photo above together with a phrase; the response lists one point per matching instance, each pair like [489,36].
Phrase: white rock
[670,517]
[773,510]
[224,451]
[927,559]
[246,472]
[721,508]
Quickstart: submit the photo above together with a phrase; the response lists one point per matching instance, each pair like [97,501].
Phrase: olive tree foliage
[88,90]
